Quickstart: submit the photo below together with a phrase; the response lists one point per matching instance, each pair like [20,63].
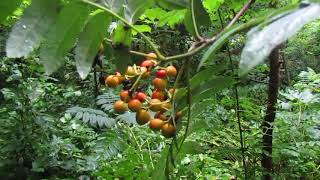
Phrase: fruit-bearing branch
[200,44]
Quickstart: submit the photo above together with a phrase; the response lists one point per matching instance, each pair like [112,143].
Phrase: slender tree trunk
[267,125]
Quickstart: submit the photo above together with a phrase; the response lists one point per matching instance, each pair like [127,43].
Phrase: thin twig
[240,13]
[235,87]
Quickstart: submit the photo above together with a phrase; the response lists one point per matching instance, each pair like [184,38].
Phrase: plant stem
[198,36]
[237,107]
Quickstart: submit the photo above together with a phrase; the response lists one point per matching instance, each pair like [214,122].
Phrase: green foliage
[61,127]
[7,8]
[90,40]
[28,32]
[63,35]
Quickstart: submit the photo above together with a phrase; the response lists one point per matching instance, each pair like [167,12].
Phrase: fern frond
[92,116]
[109,144]
[106,101]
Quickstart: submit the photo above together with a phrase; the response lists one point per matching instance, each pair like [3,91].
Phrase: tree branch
[240,13]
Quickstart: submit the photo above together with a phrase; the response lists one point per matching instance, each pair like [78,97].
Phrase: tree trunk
[267,125]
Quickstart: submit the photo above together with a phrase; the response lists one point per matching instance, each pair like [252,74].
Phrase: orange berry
[120,77]
[147,64]
[112,81]
[168,130]
[171,71]
[156,124]
[143,117]
[158,95]
[159,83]
[141,96]
[120,107]
[125,95]
[134,105]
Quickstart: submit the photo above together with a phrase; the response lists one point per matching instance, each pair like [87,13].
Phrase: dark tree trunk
[267,125]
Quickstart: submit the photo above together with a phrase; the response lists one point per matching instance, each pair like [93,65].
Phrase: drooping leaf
[223,38]
[201,17]
[29,31]
[7,7]
[213,86]
[159,172]
[89,41]
[133,9]
[173,4]
[121,58]
[62,36]
[261,42]
[205,90]
[122,35]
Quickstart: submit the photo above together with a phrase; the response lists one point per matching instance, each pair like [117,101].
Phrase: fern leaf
[94,117]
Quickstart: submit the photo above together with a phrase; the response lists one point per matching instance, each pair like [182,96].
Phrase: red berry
[158,95]
[147,64]
[161,73]
[141,96]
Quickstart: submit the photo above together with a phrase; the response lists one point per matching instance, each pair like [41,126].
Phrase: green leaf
[211,87]
[223,38]
[191,147]
[90,40]
[201,16]
[121,58]
[260,44]
[28,32]
[135,8]
[173,4]
[122,35]
[7,7]
[212,6]
[159,172]
[63,35]
[205,90]
[172,18]
[141,28]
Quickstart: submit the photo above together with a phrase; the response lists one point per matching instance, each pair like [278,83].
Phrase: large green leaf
[63,35]
[121,58]
[90,40]
[223,38]
[260,44]
[28,32]
[206,89]
[135,8]
[122,35]
[7,7]
[201,17]
[173,4]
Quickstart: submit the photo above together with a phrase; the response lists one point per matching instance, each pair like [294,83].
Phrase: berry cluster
[136,100]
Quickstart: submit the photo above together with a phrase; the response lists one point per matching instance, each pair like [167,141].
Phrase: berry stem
[134,86]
